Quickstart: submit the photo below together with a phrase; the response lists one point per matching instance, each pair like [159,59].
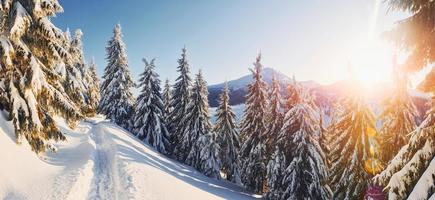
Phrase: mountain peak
[238,87]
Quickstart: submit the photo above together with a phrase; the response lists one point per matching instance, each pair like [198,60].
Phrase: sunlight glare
[371,58]
[372,62]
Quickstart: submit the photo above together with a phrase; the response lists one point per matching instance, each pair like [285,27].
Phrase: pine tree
[167,103]
[352,149]
[228,137]
[253,149]
[276,160]
[75,84]
[197,124]
[116,98]
[274,117]
[181,96]
[324,140]
[284,137]
[414,33]
[93,89]
[148,121]
[410,174]
[208,163]
[32,48]
[275,172]
[305,175]
[398,118]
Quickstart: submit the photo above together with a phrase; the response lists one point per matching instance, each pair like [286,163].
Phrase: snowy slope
[100,161]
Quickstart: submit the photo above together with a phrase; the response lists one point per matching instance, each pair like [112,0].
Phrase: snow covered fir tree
[274,118]
[305,175]
[399,117]
[31,87]
[180,99]
[75,85]
[148,121]
[116,97]
[228,138]
[411,173]
[197,122]
[93,89]
[253,150]
[167,103]
[353,148]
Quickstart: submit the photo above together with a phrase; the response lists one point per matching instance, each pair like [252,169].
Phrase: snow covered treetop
[117,31]
[78,34]
[47,7]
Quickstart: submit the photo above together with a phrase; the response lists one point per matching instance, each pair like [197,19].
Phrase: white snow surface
[100,160]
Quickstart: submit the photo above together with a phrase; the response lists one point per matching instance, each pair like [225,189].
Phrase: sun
[372,62]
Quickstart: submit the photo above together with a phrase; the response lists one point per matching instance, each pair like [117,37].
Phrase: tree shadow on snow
[133,153]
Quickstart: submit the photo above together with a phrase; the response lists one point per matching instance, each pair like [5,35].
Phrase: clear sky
[313,40]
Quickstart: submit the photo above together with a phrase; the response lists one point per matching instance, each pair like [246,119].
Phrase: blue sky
[312,40]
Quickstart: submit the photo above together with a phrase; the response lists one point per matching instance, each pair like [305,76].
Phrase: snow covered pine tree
[31,89]
[283,149]
[93,89]
[411,173]
[275,172]
[253,150]
[199,140]
[180,101]
[352,148]
[228,138]
[75,85]
[116,97]
[167,104]
[305,175]
[398,118]
[275,117]
[148,121]
[274,152]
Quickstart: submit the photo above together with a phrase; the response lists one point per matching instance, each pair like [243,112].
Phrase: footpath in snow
[100,161]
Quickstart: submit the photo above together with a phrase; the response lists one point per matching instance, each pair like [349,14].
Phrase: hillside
[100,161]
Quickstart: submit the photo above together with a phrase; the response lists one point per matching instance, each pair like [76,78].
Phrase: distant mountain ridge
[324,94]
[239,87]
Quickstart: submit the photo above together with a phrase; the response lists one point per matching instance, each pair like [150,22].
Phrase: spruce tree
[275,173]
[76,85]
[274,117]
[276,161]
[93,89]
[197,123]
[148,121]
[253,150]
[398,118]
[352,149]
[181,96]
[167,103]
[410,174]
[31,89]
[209,162]
[305,176]
[228,138]
[116,97]
[284,137]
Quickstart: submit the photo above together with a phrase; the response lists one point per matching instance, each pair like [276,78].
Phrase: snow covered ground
[100,161]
